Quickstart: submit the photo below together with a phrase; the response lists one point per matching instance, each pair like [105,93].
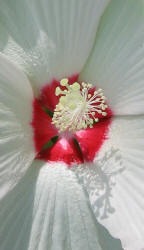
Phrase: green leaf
[77,145]
[47,111]
[50,143]
[54,139]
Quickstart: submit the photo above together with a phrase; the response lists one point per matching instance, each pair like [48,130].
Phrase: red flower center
[70,147]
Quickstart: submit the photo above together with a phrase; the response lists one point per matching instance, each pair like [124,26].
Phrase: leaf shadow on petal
[99,180]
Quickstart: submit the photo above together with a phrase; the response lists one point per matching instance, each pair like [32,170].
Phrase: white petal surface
[49,38]
[117,60]
[47,210]
[16,146]
[115,182]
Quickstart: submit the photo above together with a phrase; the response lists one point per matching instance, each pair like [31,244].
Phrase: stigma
[79,107]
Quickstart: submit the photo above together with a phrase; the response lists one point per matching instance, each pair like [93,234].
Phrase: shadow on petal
[98,180]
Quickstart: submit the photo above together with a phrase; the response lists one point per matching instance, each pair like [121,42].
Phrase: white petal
[117,61]
[49,39]
[115,182]
[16,146]
[47,210]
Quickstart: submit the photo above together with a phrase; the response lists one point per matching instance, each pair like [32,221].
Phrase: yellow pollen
[77,108]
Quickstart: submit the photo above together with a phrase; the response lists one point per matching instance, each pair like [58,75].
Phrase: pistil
[78,108]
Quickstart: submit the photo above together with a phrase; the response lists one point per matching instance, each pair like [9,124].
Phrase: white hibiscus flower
[67,155]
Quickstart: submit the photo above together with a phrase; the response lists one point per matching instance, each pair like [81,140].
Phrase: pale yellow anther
[89,85]
[65,91]
[84,84]
[75,86]
[103,97]
[104,113]
[58,91]
[63,100]
[99,90]
[91,121]
[64,82]
[96,119]
[84,125]
[77,108]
